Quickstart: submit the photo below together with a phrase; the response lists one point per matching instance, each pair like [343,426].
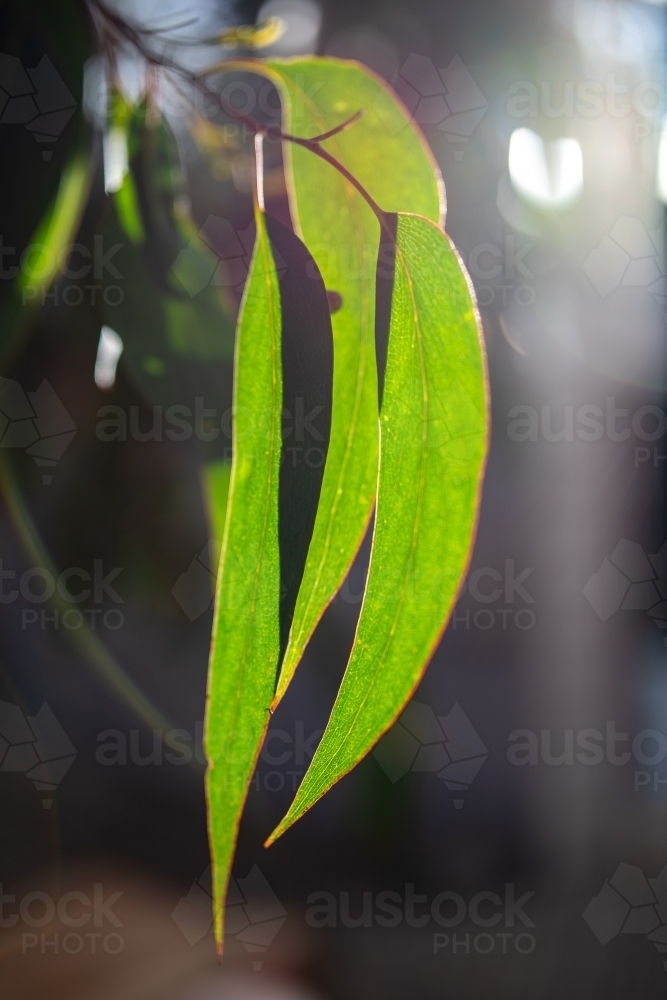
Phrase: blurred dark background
[547,121]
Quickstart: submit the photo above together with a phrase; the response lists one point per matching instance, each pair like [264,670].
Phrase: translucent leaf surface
[433,447]
[284,354]
[245,643]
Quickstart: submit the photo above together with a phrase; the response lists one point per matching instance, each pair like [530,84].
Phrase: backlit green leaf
[245,643]
[284,352]
[433,434]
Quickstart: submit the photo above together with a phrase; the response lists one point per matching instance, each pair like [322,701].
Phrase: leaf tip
[278,832]
[276,701]
[219,943]
[219,928]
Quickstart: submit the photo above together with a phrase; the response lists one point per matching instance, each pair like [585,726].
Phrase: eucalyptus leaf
[433,434]
[246,640]
[284,354]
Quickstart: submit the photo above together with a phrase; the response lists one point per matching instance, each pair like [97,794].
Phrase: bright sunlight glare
[109,350]
[549,175]
[115,159]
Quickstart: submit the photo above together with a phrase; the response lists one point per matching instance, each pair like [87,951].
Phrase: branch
[135,36]
[339,128]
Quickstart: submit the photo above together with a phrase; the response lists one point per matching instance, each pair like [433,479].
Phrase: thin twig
[133,35]
[339,128]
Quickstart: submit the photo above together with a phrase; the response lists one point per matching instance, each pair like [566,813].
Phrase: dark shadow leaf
[307,363]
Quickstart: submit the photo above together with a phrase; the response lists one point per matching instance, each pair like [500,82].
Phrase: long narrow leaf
[284,356]
[245,643]
[433,432]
